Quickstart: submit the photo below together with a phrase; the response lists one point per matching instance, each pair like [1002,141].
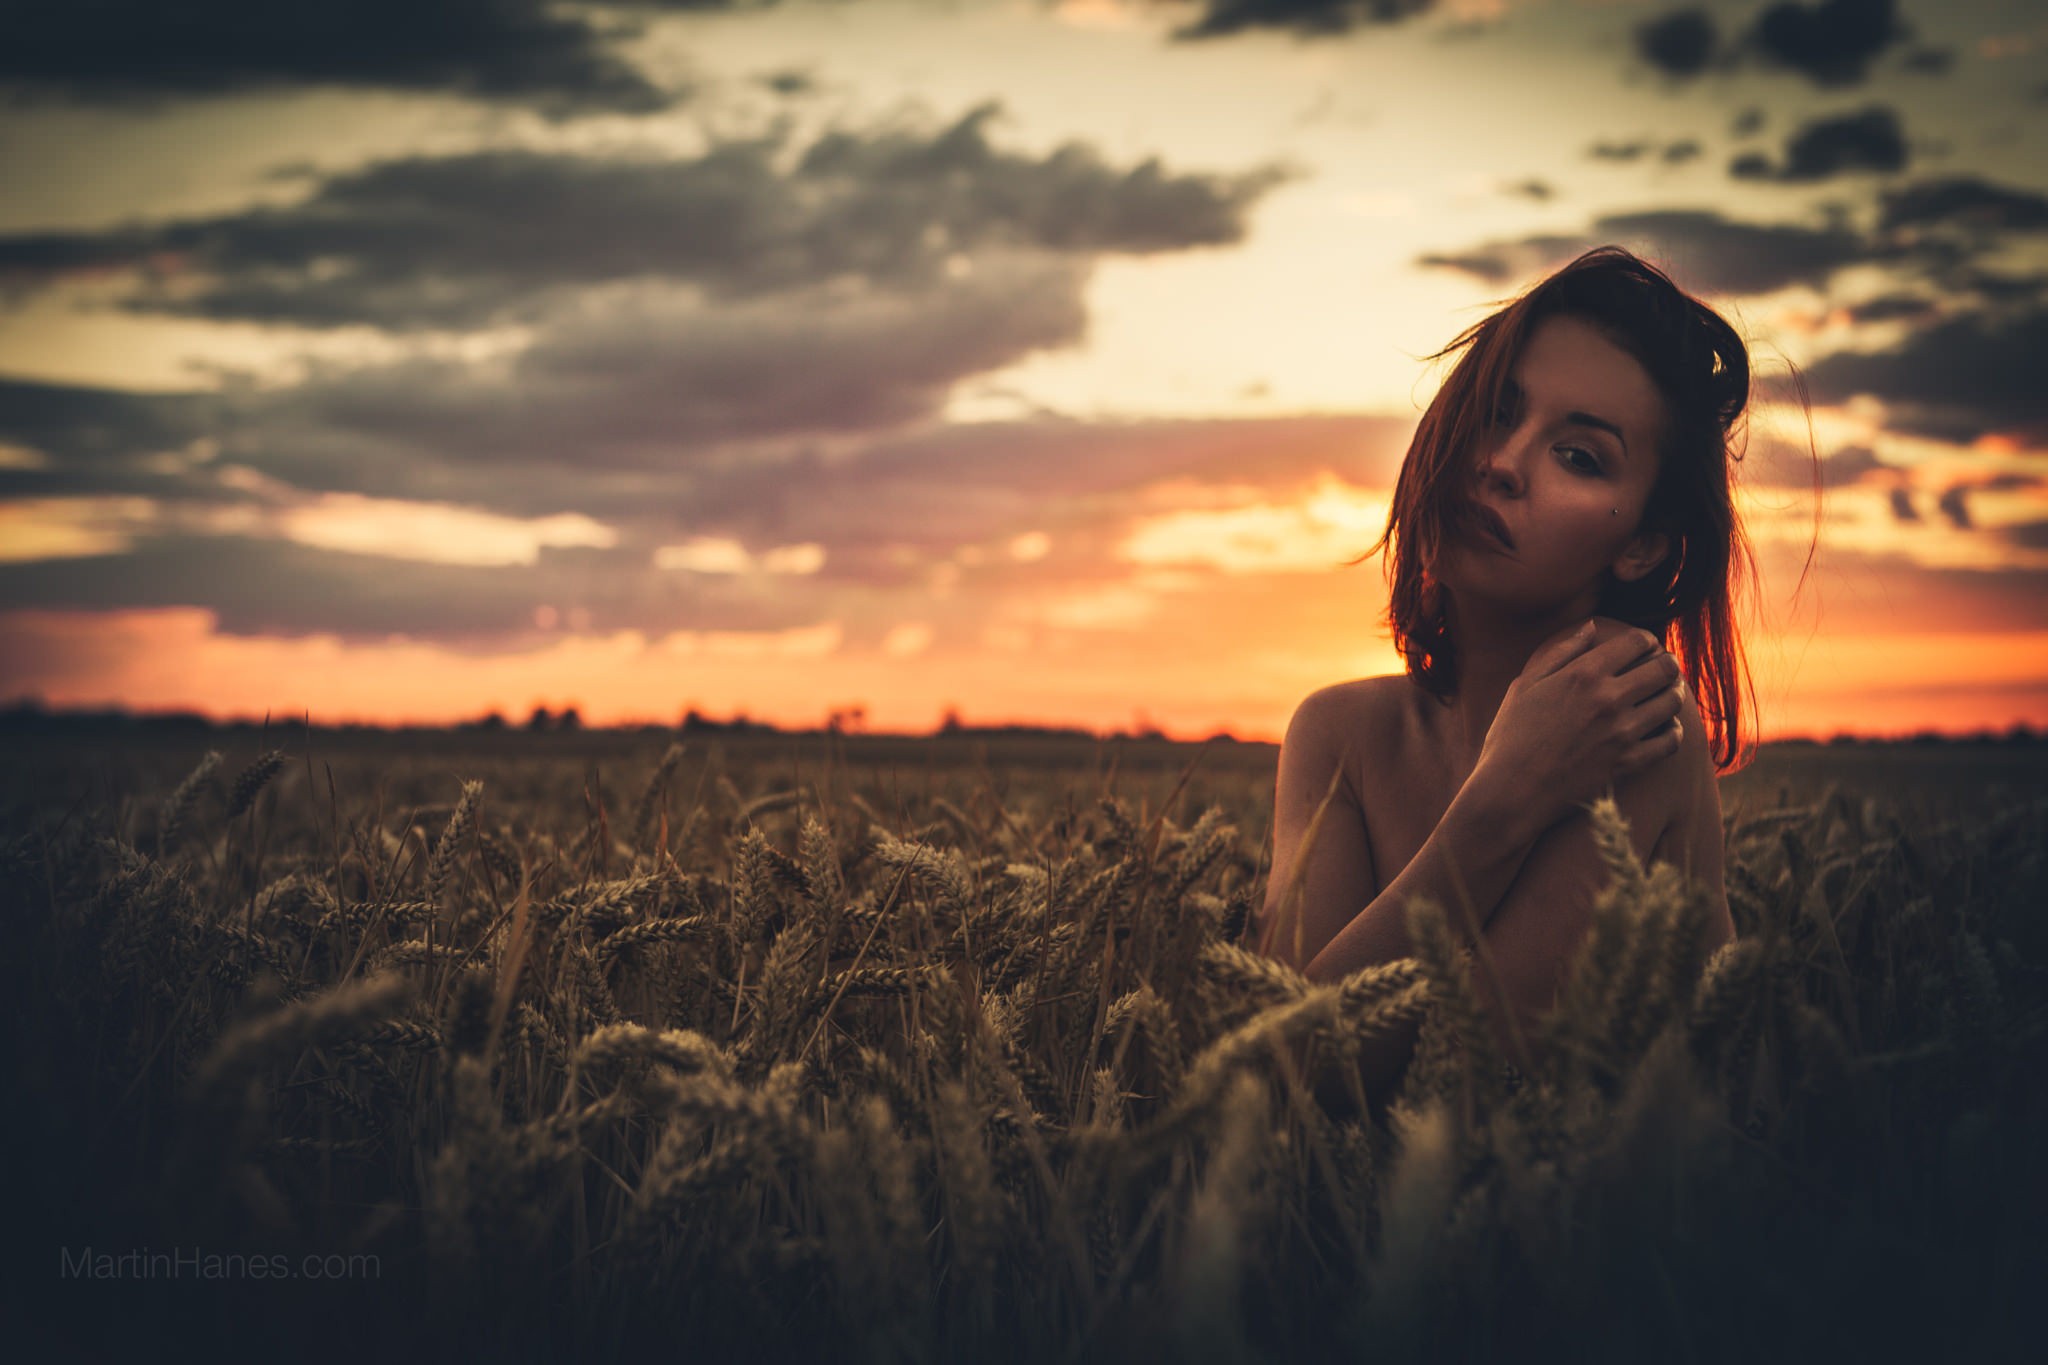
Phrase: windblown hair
[1700,366]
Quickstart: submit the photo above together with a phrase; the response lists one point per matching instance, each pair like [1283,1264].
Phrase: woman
[1563,517]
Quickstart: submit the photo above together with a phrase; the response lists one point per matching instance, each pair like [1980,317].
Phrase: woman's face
[1575,437]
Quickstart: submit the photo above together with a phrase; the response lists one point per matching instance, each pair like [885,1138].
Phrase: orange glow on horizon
[173,660]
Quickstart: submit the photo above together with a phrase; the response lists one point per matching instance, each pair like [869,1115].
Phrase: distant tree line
[28,716]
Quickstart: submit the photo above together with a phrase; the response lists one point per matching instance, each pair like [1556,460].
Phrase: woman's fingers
[1654,747]
[1624,652]
[1561,649]
[1657,673]
[1656,707]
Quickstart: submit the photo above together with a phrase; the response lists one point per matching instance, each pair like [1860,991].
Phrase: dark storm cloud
[1305,18]
[467,240]
[512,50]
[1709,253]
[1890,308]
[1619,151]
[97,427]
[1929,61]
[1832,43]
[278,587]
[1867,140]
[1680,44]
[1671,153]
[650,378]
[1903,509]
[1964,202]
[1956,380]
[627,404]
[1997,288]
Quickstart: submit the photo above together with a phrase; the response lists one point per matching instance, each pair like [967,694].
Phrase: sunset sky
[1041,360]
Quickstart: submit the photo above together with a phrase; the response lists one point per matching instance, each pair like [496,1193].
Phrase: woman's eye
[1581,459]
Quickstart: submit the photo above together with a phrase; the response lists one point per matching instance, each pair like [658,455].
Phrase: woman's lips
[1491,526]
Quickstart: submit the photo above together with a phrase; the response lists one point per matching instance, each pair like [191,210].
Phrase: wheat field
[940,1050]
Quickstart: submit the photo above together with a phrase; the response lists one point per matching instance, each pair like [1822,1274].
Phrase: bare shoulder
[1338,735]
[1348,707]
[1664,800]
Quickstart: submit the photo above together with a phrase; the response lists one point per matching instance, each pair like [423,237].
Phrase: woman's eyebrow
[1513,389]
[1587,419]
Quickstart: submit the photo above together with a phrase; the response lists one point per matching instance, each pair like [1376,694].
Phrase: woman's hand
[1593,704]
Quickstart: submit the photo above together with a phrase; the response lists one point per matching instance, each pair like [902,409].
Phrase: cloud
[627,402]
[1966,202]
[496,236]
[1954,504]
[278,587]
[982,513]
[1831,43]
[1867,140]
[1681,44]
[1789,466]
[1890,308]
[1021,489]
[1708,252]
[1956,380]
[1902,506]
[688,321]
[1304,18]
[2028,535]
[95,427]
[1929,61]
[1671,154]
[652,376]
[524,51]
[1499,262]
[1619,151]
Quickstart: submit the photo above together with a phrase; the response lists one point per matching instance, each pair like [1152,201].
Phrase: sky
[1042,361]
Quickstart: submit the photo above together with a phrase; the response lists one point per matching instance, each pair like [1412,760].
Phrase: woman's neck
[1491,648]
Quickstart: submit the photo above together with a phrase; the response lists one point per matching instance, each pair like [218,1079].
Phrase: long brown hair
[1700,366]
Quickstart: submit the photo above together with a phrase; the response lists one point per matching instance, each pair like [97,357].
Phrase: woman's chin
[1506,595]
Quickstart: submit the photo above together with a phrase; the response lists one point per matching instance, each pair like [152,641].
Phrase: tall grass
[821,1065]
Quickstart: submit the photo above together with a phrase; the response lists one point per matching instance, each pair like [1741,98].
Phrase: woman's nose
[1496,473]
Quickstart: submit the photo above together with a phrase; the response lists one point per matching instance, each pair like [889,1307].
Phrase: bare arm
[1512,858]
[1312,920]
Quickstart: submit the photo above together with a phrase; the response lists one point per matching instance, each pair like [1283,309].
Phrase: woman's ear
[1641,555]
